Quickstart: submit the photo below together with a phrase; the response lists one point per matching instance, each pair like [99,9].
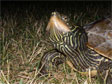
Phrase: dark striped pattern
[50,60]
[73,45]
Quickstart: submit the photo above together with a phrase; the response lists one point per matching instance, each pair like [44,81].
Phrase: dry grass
[24,41]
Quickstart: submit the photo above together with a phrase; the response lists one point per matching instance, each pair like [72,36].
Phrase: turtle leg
[105,72]
[50,61]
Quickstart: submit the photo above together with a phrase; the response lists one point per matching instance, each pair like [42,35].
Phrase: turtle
[77,47]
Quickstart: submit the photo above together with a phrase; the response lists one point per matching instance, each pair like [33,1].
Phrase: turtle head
[57,26]
[57,22]
[61,32]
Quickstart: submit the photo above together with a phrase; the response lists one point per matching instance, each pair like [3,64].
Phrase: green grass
[23,42]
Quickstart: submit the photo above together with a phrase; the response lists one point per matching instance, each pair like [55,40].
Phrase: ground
[24,40]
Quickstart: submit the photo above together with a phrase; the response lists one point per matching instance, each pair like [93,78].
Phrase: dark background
[46,7]
[85,11]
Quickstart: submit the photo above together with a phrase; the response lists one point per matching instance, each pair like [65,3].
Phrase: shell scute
[100,37]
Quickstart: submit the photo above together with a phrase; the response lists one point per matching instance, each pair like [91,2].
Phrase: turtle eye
[64,18]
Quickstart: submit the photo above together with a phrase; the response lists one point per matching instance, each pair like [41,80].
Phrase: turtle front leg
[105,72]
[50,61]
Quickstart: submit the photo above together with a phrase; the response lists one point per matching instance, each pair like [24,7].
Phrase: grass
[24,40]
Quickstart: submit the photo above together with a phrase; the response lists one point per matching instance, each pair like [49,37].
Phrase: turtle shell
[100,36]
